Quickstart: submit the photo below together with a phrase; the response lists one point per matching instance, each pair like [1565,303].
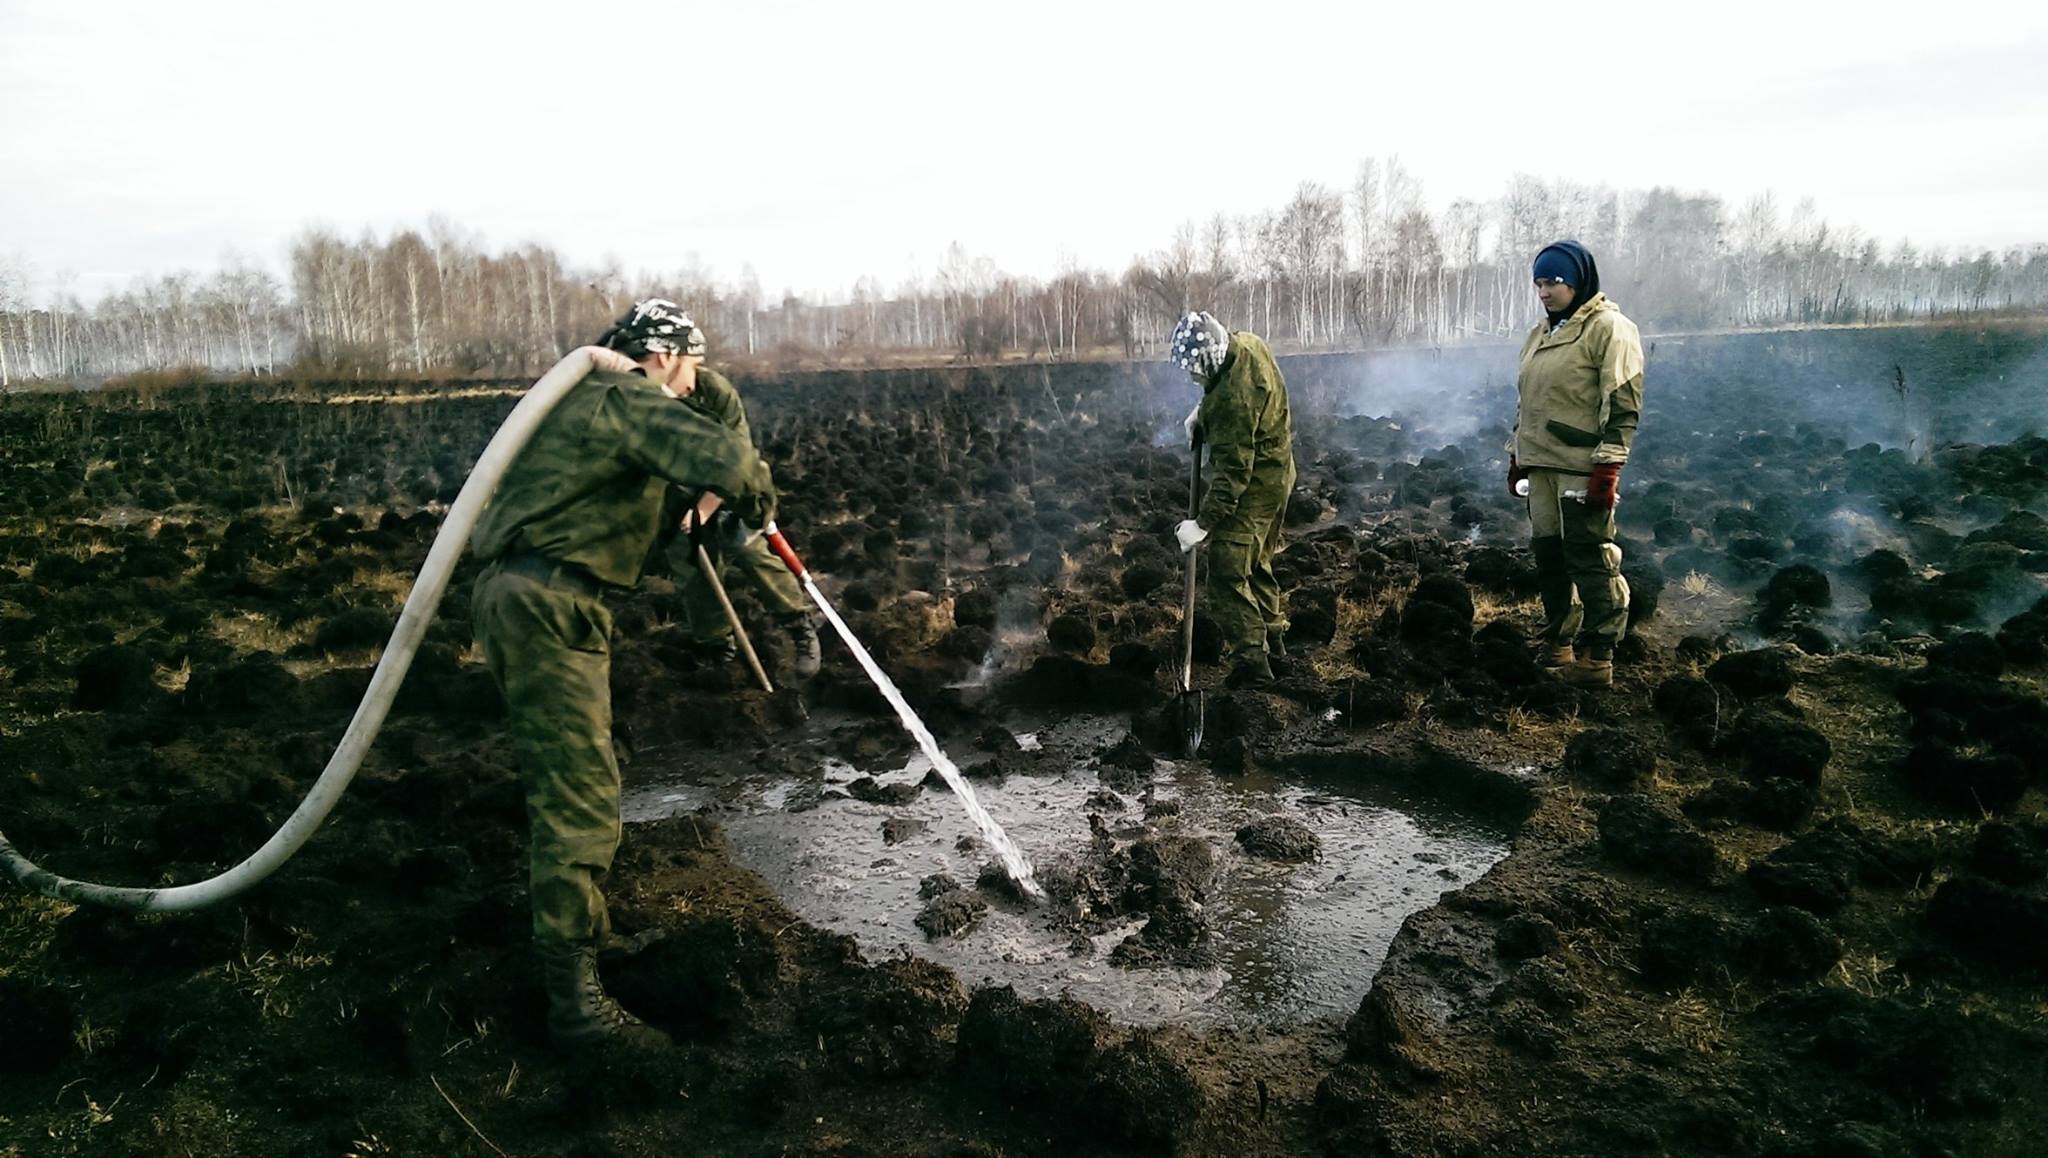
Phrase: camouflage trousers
[1238,590]
[702,619]
[548,644]
[1578,565]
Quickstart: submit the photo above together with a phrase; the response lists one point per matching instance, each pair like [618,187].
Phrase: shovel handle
[732,619]
[1187,623]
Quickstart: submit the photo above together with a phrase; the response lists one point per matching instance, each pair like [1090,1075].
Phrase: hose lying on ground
[512,437]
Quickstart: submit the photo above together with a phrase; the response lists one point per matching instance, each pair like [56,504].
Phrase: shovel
[1189,709]
[732,619]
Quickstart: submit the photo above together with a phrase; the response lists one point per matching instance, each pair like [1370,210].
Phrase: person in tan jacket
[1581,394]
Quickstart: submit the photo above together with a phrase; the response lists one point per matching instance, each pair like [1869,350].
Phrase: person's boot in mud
[1250,669]
[614,947]
[803,643]
[1594,669]
[582,1018]
[712,652]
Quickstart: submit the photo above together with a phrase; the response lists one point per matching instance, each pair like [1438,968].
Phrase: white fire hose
[420,605]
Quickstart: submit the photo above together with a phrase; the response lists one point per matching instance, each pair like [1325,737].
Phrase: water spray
[1012,858]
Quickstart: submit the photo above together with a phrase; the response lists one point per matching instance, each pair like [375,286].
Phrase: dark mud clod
[872,791]
[1679,945]
[897,829]
[1996,923]
[1791,945]
[2011,852]
[1753,674]
[1038,1047]
[1610,759]
[36,1022]
[1525,935]
[996,880]
[1280,838]
[697,979]
[951,913]
[1650,835]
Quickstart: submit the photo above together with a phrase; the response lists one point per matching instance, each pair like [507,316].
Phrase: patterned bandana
[656,326]
[1199,344]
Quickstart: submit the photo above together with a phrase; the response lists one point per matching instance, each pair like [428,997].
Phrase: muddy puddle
[1294,942]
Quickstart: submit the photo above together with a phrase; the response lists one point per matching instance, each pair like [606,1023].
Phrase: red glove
[1603,486]
[1515,475]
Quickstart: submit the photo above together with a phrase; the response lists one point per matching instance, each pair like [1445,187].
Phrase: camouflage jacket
[1244,421]
[716,397]
[588,489]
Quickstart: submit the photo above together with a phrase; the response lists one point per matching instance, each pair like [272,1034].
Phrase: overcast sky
[820,142]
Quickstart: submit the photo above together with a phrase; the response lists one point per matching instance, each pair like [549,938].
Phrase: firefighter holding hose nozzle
[574,518]
[1581,394]
[1243,419]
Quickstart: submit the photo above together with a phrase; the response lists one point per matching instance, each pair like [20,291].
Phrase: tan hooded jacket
[1581,390]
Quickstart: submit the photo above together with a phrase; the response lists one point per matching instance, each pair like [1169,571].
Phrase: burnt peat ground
[1781,891]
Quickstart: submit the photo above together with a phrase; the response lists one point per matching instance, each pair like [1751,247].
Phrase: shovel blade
[1190,723]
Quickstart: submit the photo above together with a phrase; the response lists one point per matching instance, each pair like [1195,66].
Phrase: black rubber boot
[1252,670]
[581,1015]
[613,948]
[713,652]
[803,642]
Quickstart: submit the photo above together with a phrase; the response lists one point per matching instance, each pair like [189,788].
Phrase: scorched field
[1780,891]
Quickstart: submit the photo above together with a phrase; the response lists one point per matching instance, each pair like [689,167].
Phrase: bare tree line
[1365,265]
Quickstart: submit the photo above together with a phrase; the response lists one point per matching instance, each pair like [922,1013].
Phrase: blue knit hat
[1572,264]
[1554,264]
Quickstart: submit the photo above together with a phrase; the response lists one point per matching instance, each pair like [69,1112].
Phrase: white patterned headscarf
[1199,344]
[654,326]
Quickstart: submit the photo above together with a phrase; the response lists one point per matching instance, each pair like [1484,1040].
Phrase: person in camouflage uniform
[703,626]
[1243,418]
[1580,395]
[574,518]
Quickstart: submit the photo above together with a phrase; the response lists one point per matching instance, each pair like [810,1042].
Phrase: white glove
[1189,425]
[1190,534]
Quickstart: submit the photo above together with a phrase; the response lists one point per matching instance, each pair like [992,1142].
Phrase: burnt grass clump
[1784,889]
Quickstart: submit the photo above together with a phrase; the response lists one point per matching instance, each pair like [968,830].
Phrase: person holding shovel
[1580,395]
[574,518]
[703,626]
[1243,418]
